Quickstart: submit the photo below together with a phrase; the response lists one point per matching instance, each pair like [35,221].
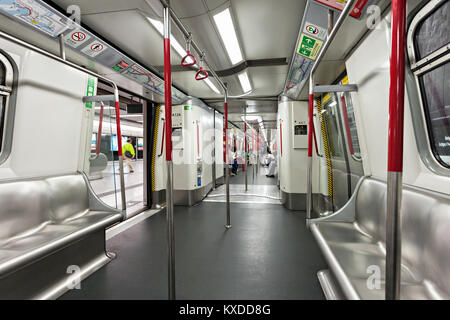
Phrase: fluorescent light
[228,34]
[245,82]
[252,118]
[212,86]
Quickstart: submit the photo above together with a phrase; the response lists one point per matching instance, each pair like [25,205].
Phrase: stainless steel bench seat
[49,217]
[353,243]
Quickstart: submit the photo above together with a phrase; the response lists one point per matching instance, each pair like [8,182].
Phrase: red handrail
[162,142]
[198,140]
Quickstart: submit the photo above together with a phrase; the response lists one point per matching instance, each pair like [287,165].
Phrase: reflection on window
[349,117]
[334,138]
[434,32]
[436,93]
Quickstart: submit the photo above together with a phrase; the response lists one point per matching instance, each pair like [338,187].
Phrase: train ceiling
[267,31]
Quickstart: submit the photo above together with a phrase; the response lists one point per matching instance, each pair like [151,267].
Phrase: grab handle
[184,62]
[201,74]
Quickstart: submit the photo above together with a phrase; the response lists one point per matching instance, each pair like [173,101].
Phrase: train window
[334,138]
[434,78]
[4,93]
[2,74]
[435,89]
[433,33]
[350,122]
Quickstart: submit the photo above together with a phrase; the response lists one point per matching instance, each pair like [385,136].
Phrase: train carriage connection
[225,150]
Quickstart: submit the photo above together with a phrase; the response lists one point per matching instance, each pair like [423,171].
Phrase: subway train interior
[225,150]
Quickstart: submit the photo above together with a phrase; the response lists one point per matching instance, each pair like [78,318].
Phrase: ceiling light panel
[245,81]
[227,32]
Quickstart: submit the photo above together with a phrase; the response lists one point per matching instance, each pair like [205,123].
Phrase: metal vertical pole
[225,159]
[310,140]
[100,128]
[120,152]
[214,152]
[245,147]
[168,118]
[395,151]
[62,48]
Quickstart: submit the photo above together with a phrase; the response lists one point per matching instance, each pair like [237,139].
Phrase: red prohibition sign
[97,47]
[312,29]
[78,36]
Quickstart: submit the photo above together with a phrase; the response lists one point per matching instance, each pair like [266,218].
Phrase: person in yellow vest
[128,154]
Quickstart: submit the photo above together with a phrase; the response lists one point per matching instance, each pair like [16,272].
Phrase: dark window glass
[436,93]
[2,118]
[2,74]
[434,32]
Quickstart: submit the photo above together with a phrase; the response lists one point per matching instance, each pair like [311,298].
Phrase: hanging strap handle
[188,55]
[201,74]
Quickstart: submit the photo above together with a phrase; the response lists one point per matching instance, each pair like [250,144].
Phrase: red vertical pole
[311,125]
[100,128]
[169,189]
[281,138]
[225,133]
[198,140]
[119,131]
[245,146]
[395,151]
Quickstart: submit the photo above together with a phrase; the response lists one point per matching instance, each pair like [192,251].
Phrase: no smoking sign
[76,38]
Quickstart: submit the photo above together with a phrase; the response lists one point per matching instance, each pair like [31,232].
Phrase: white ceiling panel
[268,28]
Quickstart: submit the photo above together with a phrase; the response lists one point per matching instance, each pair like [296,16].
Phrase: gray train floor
[258,178]
[267,254]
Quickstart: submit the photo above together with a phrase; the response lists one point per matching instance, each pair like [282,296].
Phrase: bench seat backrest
[425,229]
[26,204]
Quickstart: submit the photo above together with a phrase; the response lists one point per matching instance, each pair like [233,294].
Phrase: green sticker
[187,108]
[309,47]
[90,90]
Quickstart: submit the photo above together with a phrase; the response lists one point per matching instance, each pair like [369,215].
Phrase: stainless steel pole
[227,166]
[62,48]
[169,189]
[395,151]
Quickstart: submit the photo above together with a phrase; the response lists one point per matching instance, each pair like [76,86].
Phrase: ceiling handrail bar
[183,29]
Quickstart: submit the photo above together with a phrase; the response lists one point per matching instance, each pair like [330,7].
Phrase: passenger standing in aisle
[128,153]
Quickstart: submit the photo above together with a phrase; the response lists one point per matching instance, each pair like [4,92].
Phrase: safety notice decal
[76,38]
[315,31]
[309,47]
[94,49]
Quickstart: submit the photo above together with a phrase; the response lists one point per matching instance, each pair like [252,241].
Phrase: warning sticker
[90,90]
[315,31]
[76,38]
[121,65]
[94,49]
[309,47]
